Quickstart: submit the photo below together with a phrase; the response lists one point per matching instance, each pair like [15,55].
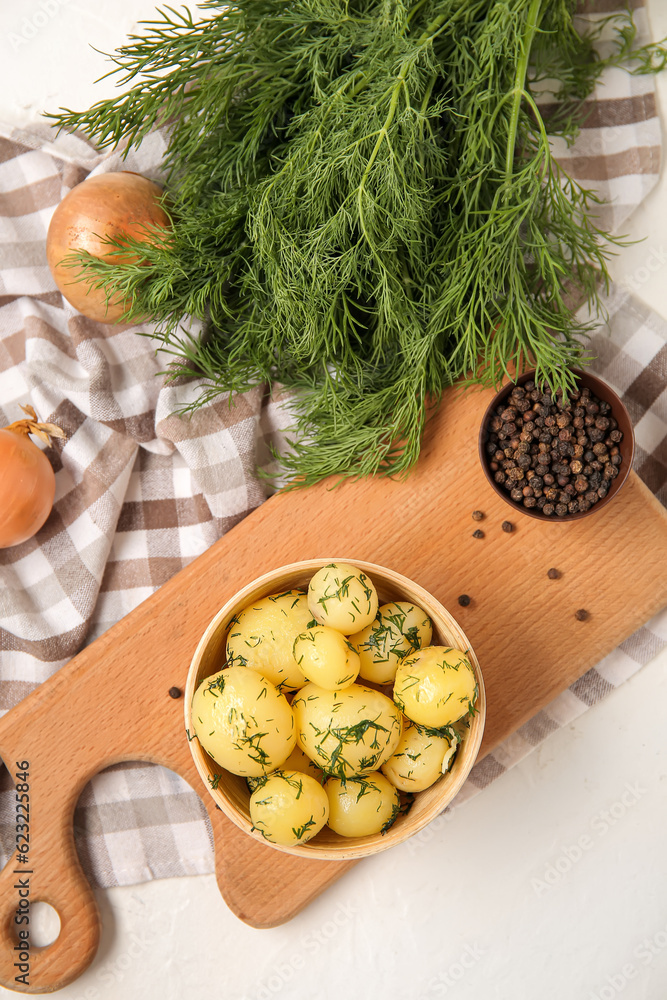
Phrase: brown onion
[27,481]
[111,206]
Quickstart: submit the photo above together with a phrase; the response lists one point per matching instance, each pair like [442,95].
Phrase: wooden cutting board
[111,702]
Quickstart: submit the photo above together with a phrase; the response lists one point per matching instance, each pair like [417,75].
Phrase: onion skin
[27,481]
[115,206]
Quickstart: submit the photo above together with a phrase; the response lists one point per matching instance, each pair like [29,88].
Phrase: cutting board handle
[52,875]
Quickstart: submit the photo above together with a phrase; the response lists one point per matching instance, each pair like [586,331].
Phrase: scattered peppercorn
[581,615]
[174,692]
[507,526]
[478,534]
[464,600]
[560,458]
[554,574]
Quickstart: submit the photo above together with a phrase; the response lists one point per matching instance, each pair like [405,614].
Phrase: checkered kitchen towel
[140,492]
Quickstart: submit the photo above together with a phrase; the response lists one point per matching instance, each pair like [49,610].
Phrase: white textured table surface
[551,884]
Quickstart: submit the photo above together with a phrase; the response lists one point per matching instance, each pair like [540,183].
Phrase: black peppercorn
[581,615]
[174,692]
[464,600]
[558,456]
[553,574]
[478,534]
[477,515]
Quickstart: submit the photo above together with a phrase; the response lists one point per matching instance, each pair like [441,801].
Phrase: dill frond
[365,204]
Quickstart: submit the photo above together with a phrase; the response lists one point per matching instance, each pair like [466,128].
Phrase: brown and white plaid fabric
[141,492]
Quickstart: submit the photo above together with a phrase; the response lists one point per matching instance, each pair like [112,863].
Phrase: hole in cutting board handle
[44,924]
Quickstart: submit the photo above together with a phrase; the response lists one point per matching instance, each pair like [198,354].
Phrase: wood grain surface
[111,702]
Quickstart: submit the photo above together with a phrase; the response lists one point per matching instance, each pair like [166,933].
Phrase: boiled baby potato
[326,657]
[435,686]
[348,732]
[359,807]
[343,597]
[399,629]
[297,761]
[262,637]
[243,721]
[288,808]
[419,759]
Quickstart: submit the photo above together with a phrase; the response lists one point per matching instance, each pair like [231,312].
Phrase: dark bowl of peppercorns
[553,459]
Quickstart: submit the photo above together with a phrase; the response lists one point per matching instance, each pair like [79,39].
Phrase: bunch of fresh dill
[365,203]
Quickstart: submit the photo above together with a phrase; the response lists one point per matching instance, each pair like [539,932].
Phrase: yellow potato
[419,759]
[326,657]
[399,629]
[243,721]
[343,597]
[435,686]
[347,732]
[262,637]
[289,808]
[297,761]
[359,807]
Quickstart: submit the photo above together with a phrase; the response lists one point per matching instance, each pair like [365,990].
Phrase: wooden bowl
[231,792]
[626,447]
